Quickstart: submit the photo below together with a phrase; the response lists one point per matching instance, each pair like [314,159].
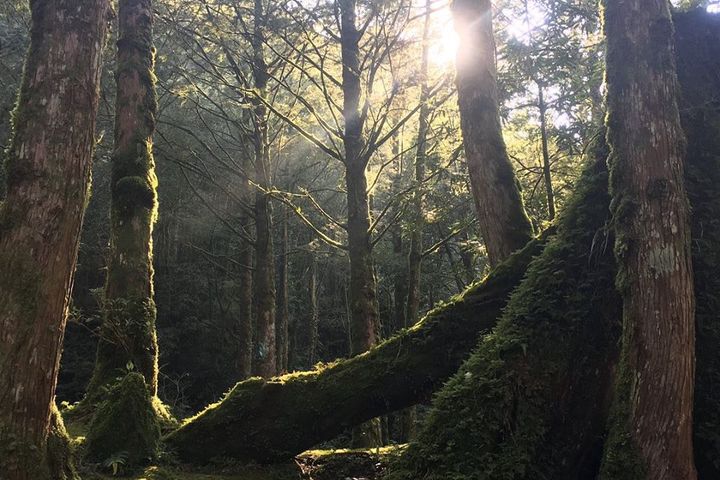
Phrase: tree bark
[651,425]
[272,420]
[48,175]
[503,223]
[265,359]
[128,332]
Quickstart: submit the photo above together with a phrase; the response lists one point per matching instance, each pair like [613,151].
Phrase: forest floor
[328,464]
[310,465]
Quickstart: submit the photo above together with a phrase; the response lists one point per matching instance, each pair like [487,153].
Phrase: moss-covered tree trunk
[271,420]
[651,425]
[265,358]
[503,223]
[128,335]
[48,176]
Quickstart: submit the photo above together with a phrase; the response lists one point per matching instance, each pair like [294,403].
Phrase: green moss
[125,425]
[529,401]
[127,338]
[60,453]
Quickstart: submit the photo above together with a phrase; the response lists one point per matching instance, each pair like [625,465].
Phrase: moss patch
[125,427]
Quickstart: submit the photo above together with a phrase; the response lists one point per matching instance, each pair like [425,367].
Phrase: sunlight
[521,27]
[444,40]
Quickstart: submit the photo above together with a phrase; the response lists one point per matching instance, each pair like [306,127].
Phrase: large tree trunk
[651,425]
[128,332]
[48,176]
[265,359]
[271,420]
[503,223]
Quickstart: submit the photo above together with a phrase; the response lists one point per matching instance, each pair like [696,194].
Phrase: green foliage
[125,430]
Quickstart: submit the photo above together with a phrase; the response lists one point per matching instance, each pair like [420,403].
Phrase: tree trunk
[128,332]
[265,361]
[272,420]
[547,174]
[245,301]
[503,223]
[283,311]
[363,289]
[651,425]
[314,323]
[48,173]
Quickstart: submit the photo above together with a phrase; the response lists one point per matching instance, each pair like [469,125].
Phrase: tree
[503,223]
[265,358]
[128,334]
[48,170]
[651,429]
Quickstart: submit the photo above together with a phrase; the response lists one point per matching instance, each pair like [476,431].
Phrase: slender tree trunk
[651,425]
[245,319]
[265,363]
[128,332]
[503,223]
[314,312]
[283,311]
[363,290]
[245,280]
[48,172]
[547,174]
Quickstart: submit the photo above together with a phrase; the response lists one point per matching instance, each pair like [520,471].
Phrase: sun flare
[444,41]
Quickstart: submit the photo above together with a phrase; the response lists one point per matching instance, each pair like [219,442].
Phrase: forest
[360,239]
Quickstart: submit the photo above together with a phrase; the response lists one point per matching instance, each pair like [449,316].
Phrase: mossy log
[271,420]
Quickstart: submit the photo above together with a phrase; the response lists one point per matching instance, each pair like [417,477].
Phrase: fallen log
[271,420]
